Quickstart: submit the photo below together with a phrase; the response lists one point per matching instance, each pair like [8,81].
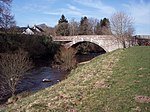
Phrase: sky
[33,12]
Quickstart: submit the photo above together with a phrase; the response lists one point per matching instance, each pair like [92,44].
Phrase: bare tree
[92,23]
[12,69]
[6,19]
[73,27]
[122,27]
[65,58]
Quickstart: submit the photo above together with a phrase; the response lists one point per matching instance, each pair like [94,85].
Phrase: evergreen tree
[62,20]
[103,27]
[85,27]
[62,29]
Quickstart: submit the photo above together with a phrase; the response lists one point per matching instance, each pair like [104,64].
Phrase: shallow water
[33,80]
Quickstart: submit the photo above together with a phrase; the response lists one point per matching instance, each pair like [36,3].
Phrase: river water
[32,81]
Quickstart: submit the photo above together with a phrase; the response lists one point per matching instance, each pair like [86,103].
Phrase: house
[41,29]
[28,31]
[33,30]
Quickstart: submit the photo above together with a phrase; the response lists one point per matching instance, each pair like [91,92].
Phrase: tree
[122,27]
[97,29]
[62,29]
[73,27]
[103,27]
[84,27]
[92,23]
[6,19]
[12,69]
[62,20]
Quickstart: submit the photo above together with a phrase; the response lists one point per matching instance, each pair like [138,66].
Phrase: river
[33,80]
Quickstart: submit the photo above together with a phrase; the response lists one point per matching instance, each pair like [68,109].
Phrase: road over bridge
[107,42]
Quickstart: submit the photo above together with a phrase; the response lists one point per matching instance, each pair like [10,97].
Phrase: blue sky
[31,12]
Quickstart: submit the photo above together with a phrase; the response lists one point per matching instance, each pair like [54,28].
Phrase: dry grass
[106,84]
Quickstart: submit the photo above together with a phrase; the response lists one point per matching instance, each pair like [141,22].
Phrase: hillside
[114,82]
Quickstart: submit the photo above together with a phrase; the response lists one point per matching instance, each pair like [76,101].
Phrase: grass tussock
[109,83]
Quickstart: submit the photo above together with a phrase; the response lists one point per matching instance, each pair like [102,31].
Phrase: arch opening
[86,47]
[87,50]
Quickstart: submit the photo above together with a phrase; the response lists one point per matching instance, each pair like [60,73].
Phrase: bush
[36,45]
[12,69]
[65,58]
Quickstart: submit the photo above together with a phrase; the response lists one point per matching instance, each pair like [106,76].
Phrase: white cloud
[72,7]
[69,10]
[140,11]
[52,13]
[98,5]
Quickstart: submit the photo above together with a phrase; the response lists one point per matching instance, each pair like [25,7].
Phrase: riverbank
[114,82]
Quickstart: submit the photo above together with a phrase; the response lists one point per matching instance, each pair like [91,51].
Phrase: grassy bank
[109,83]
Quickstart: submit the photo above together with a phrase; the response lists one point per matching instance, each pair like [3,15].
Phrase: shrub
[65,58]
[12,69]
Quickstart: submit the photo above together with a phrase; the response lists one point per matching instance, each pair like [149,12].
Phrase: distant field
[114,82]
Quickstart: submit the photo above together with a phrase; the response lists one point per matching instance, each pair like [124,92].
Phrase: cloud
[71,7]
[99,6]
[140,11]
[52,13]
[69,10]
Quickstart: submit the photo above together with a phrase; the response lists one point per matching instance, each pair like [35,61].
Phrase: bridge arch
[73,43]
[107,42]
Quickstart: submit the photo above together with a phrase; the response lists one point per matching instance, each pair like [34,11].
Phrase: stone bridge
[107,42]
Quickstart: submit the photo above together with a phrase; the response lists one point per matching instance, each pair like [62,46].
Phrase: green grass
[108,83]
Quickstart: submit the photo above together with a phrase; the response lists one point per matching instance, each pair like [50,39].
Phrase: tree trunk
[124,44]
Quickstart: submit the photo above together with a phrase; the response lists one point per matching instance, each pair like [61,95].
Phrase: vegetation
[114,82]
[6,19]
[38,47]
[103,27]
[63,27]
[73,27]
[86,26]
[122,27]
[65,58]
[12,69]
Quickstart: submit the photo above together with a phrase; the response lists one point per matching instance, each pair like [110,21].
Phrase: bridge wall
[107,42]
